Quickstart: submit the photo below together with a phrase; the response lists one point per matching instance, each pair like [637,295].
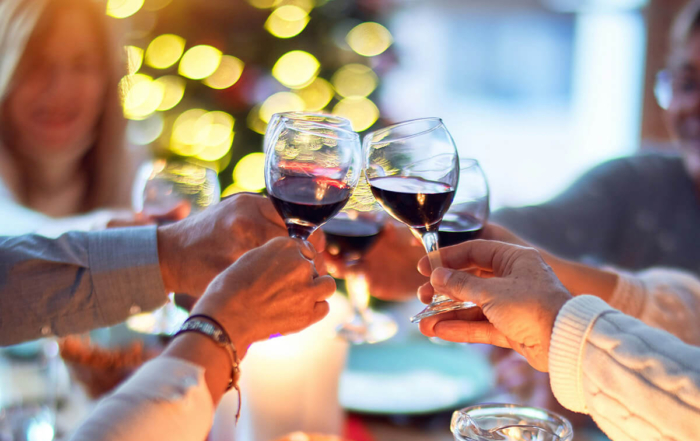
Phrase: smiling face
[57,94]
[683,115]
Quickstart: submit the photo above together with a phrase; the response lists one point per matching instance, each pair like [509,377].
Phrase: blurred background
[537,90]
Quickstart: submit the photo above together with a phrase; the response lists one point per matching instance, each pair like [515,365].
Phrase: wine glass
[310,172]
[316,118]
[349,236]
[413,171]
[469,211]
[160,188]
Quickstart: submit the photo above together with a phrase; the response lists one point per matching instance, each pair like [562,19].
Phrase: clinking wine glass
[349,236]
[160,188]
[313,118]
[413,171]
[470,210]
[310,172]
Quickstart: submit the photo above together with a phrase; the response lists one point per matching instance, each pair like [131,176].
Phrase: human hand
[273,289]
[194,251]
[518,300]
[151,216]
[389,266]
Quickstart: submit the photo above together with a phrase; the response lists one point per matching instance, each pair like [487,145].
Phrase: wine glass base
[441,307]
[375,327]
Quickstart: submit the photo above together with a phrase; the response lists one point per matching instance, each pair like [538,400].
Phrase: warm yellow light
[134,59]
[306,5]
[200,62]
[280,102]
[216,152]
[354,80]
[263,4]
[231,190]
[361,112]
[164,51]
[249,173]
[173,91]
[287,21]
[123,8]
[185,134]
[142,97]
[229,71]
[316,95]
[254,122]
[296,69]
[369,39]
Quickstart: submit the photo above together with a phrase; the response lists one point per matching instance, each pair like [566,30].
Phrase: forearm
[583,279]
[635,381]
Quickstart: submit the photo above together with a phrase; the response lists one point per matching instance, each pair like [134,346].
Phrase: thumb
[460,285]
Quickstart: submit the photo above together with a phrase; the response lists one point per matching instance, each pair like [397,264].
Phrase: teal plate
[413,377]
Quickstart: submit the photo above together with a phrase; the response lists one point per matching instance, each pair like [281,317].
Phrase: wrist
[233,325]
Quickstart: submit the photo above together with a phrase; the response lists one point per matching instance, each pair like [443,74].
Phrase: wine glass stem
[430,242]
[358,291]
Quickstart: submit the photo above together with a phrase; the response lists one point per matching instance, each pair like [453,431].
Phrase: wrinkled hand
[518,300]
[194,251]
[389,266]
[274,289]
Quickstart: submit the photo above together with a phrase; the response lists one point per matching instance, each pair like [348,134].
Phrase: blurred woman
[62,132]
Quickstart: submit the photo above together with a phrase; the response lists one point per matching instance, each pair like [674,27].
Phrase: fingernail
[440,276]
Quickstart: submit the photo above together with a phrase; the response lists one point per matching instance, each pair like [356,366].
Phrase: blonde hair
[106,162]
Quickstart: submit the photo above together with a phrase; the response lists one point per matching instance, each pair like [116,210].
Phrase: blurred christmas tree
[205,76]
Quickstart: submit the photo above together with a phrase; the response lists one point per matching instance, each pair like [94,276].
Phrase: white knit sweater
[637,382]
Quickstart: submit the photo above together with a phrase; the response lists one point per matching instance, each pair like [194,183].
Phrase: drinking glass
[413,171]
[310,172]
[315,118]
[160,188]
[509,422]
[469,211]
[349,236]
[28,391]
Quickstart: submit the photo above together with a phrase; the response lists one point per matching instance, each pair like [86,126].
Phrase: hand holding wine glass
[310,172]
[413,170]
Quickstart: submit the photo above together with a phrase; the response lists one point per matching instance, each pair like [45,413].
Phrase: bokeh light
[296,69]
[316,95]
[199,62]
[231,190]
[306,5]
[173,91]
[369,39]
[164,51]
[249,173]
[263,4]
[134,59]
[146,131]
[254,122]
[354,80]
[229,71]
[287,21]
[361,112]
[142,97]
[280,102]
[206,135]
[123,8]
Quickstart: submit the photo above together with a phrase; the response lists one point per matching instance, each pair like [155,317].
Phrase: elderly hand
[194,251]
[518,298]
[274,289]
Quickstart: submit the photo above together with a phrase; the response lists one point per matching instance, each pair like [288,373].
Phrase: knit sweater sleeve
[637,382]
[664,298]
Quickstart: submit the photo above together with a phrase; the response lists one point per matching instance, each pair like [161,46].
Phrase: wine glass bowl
[310,172]
[413,171]
[301,117]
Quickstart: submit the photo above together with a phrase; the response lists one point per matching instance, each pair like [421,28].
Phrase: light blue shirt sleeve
[76,282]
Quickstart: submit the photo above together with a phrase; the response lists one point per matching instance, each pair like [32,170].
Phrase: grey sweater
[633,213]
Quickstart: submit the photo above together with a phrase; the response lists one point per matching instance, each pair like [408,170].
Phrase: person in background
[64,161]
[637,382]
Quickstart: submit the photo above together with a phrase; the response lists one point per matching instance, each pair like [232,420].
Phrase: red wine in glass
[417,202]
[457,229]
[306,202]
[350,239]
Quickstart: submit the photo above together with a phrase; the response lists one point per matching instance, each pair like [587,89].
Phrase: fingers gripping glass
[310,172]
[413,171]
